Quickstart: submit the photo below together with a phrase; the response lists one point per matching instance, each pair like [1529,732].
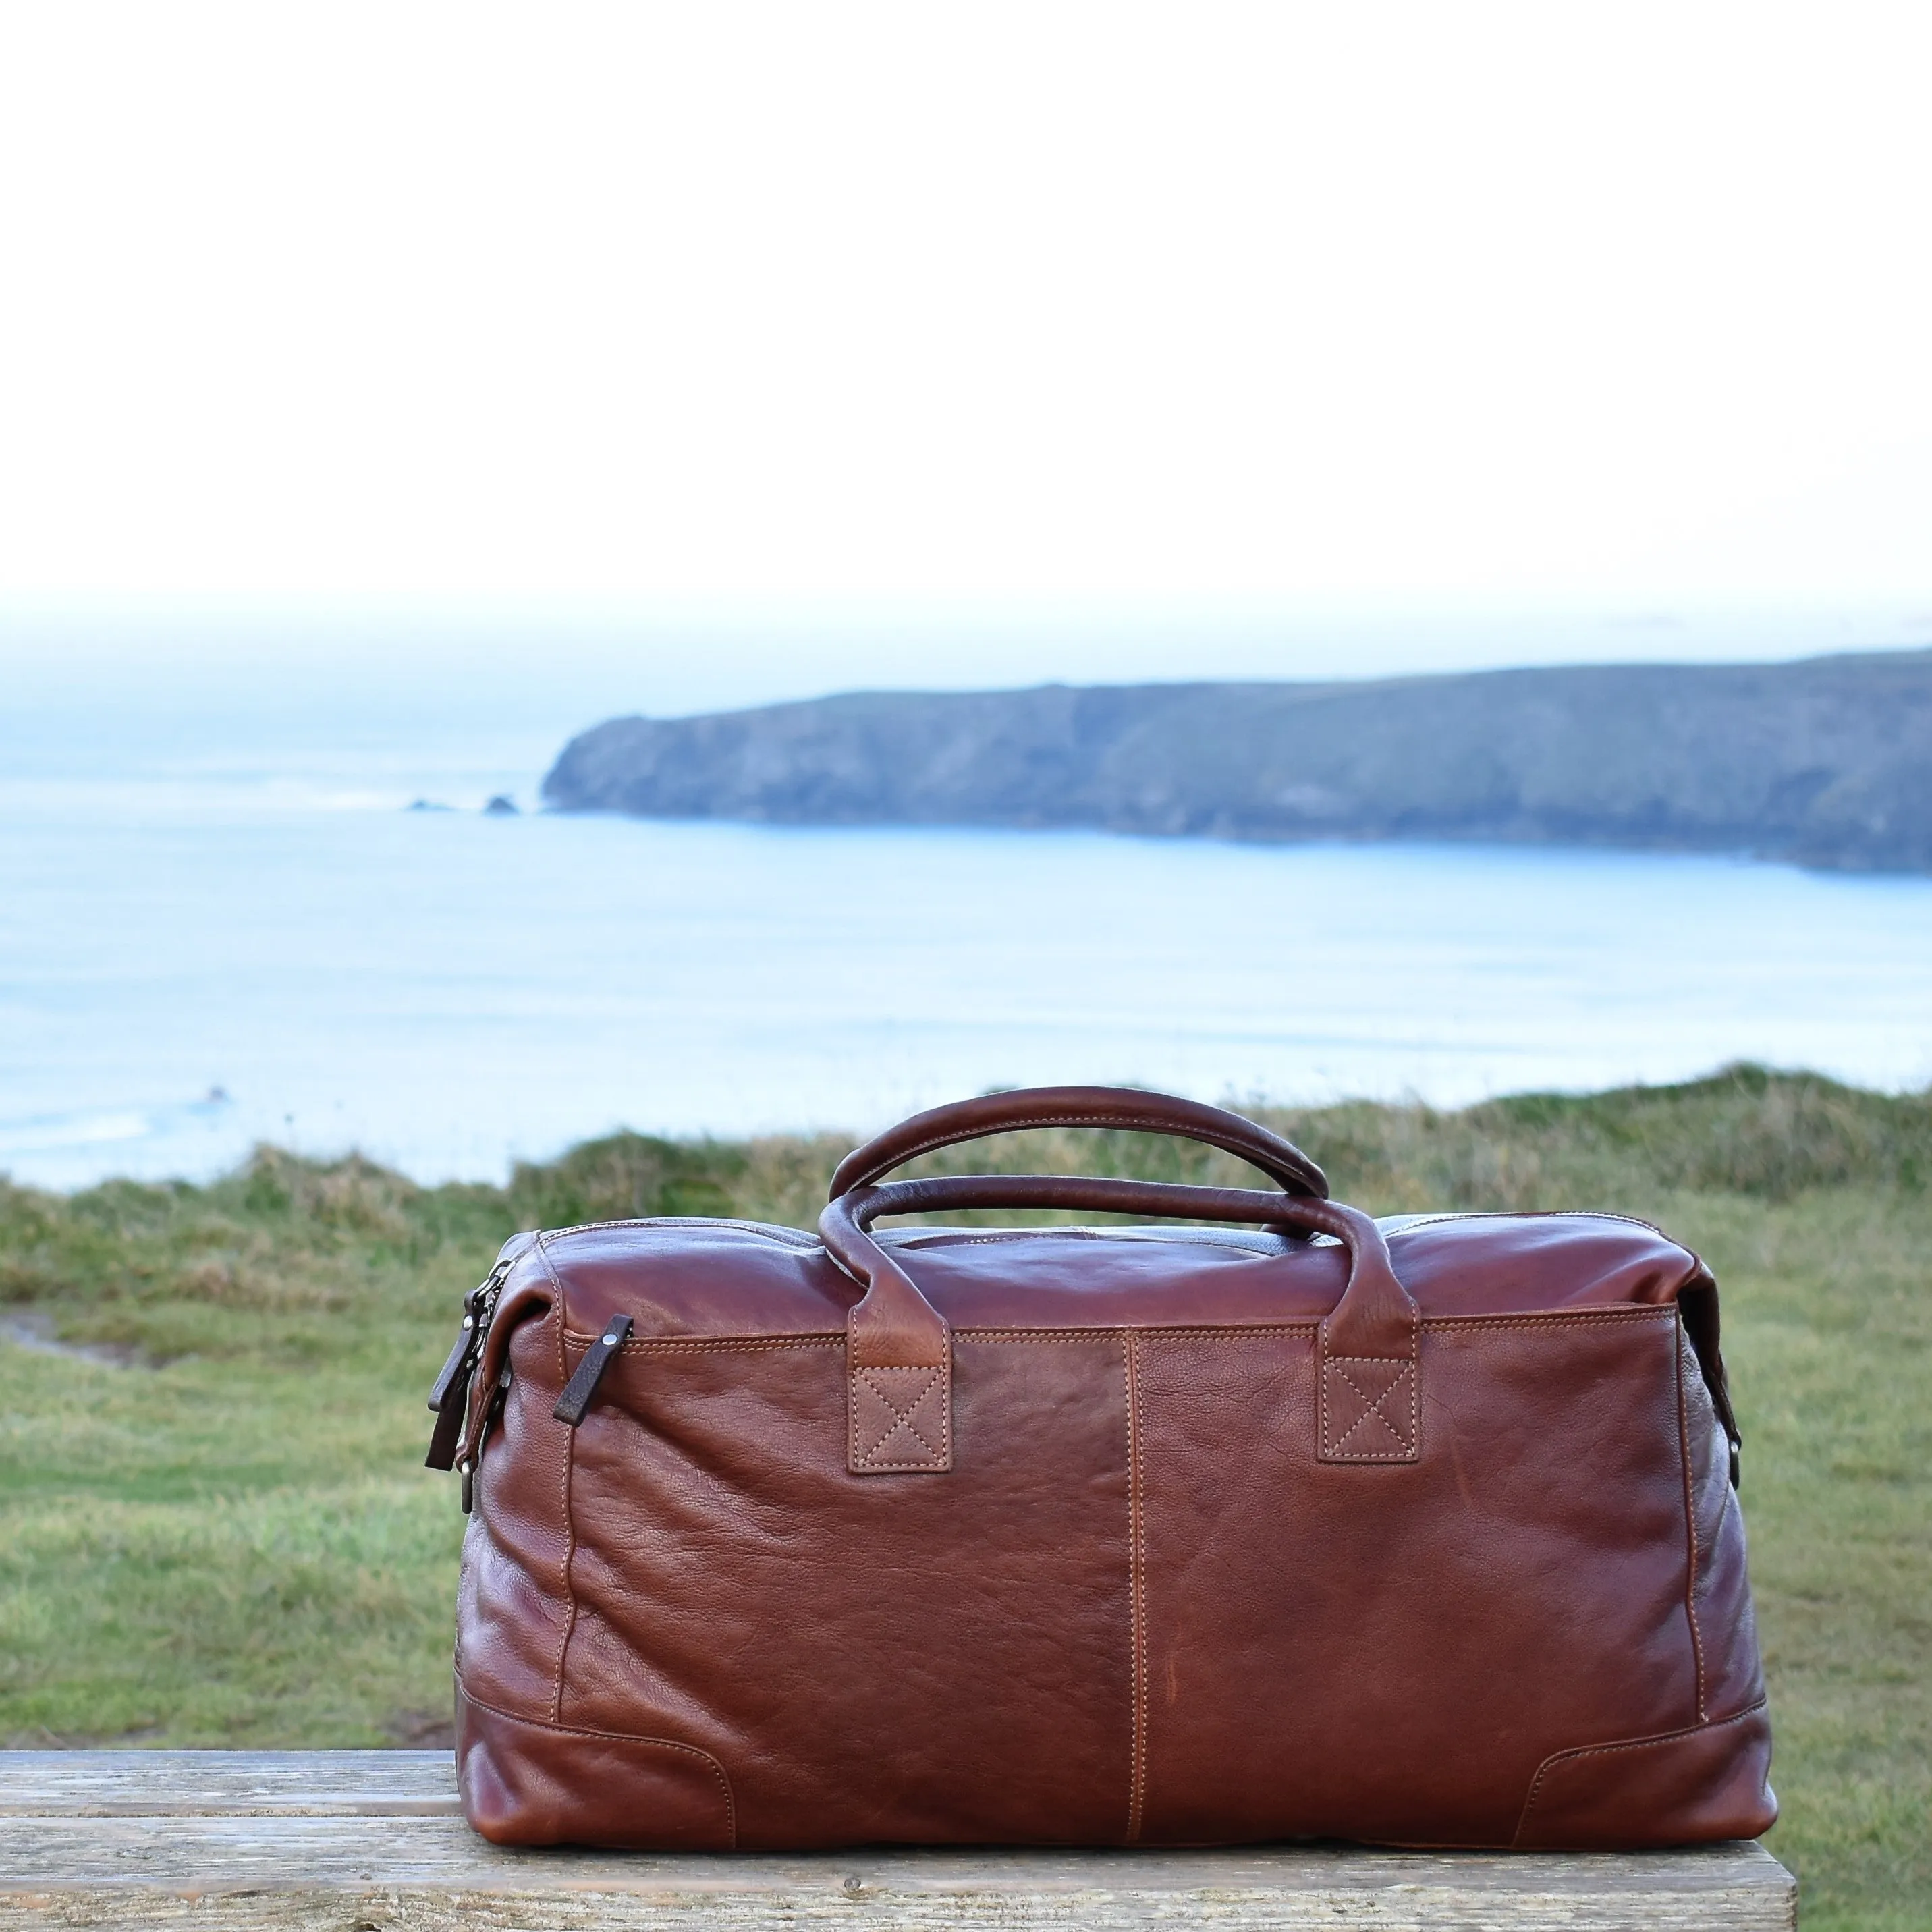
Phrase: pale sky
[732,310]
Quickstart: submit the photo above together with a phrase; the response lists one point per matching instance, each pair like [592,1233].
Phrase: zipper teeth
[1524,1214]
[797,1237]
[793,1237]
[1436,1221]
[1197,1237]
[488,1295]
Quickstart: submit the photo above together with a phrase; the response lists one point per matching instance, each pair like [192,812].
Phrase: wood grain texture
[227,1784]
[353,1841]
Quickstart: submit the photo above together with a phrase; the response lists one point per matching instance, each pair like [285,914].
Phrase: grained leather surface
[1127,1591]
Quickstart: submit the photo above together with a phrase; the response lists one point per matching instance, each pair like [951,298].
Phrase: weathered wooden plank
[155,1784]
[286,1842]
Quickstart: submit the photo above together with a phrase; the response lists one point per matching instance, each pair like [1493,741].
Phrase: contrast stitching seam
[1041,1338]
[1526,1214]
[1102,1332]
[902,1418]
[1410,1449]
[866,1460]
[792,1237]
[1431,1325]
[1689,1518]
[1369,1408]
[1335,1362]
[718,1770]
[1664,1312]
[682,1345]
[542,1249]
[1555,1758]
[1414,1446]
[569,1536]
[1136,1589]
[1012,1233]
[1231,1241]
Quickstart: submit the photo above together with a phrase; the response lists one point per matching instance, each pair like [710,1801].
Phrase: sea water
[256,943]
[449,992]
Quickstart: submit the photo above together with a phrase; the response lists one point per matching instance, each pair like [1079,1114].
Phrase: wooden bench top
[373,1841]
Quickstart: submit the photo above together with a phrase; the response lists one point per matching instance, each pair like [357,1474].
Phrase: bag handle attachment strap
[898,1350]
[1126,1109]
[898,1365]
[899,1347]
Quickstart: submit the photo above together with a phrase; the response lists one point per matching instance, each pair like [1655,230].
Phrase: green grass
[229,1538]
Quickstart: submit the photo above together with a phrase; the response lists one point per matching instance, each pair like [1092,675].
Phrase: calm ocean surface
[238,948]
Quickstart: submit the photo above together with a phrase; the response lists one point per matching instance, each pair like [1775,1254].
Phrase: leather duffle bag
[1283,1524]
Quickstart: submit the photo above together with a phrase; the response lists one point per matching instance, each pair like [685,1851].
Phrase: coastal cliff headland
[1825,762]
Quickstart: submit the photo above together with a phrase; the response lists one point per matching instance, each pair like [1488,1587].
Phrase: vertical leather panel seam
[569,1624]
[1136,1590]
[1679,1341]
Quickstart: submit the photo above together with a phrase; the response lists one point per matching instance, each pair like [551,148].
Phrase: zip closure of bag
[1516,1214]
[450,1397]
[492,1407]
[462,1426]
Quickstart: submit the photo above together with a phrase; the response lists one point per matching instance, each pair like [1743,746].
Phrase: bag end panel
[525,1784]
[1691,1787]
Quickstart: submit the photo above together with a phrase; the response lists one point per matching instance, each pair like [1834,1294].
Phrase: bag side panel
[1390,1653]
[1711,1782]
[921,1657]
[536,1784]
[1733,1670]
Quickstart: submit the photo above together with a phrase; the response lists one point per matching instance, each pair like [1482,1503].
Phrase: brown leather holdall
[1422,1533]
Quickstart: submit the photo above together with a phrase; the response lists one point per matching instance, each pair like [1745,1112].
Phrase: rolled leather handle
[1121,1108]
[1373,1317]
[899,1346]
[1102,1194]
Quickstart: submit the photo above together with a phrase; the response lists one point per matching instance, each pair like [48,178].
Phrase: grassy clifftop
[214,1528]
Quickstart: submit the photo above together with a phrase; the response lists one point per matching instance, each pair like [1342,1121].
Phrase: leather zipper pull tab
[574,1402]
[438,1395]
[450,1397]
[448,1429]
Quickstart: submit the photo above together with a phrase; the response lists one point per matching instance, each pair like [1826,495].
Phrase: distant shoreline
[1826,763]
